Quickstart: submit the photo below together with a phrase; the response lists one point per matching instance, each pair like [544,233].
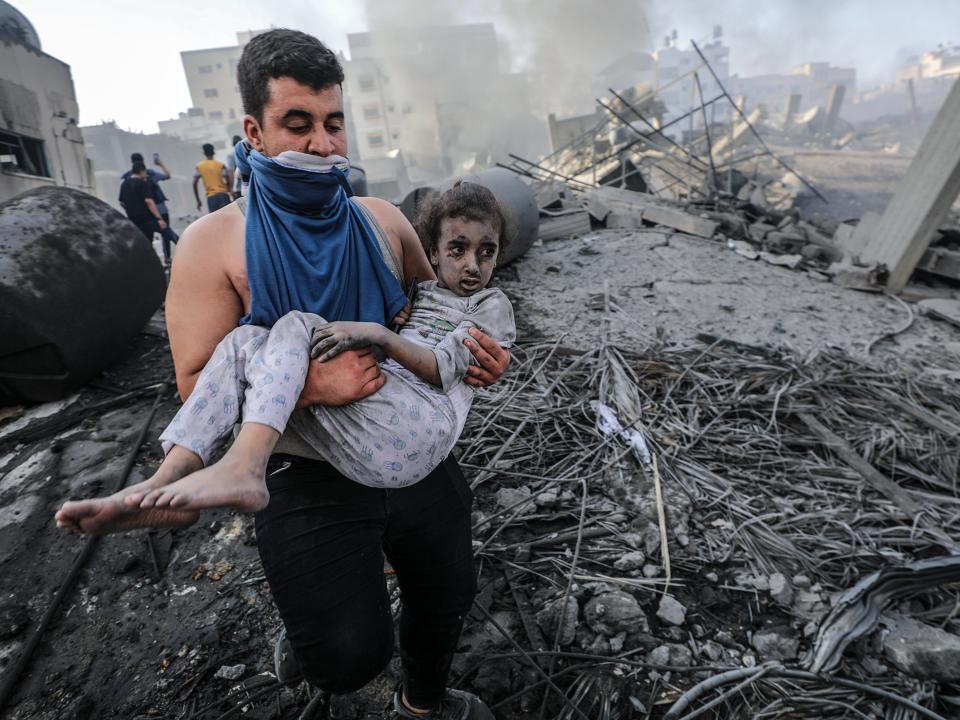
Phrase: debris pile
[669,516]
[726,181]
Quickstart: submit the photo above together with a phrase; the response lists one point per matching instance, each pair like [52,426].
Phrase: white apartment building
[216,112]
[40,141]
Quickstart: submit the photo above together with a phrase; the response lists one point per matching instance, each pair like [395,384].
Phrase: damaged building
[40,142]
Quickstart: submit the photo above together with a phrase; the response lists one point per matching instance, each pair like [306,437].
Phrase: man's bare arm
[196,194]
[202,305]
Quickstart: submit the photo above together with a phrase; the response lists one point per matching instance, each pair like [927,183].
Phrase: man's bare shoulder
[214,234]
[386,213]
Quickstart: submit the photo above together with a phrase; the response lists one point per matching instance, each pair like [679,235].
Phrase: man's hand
[351,376]
[331,339]
[492,357]
[199,205]
[403,316]
[162,223]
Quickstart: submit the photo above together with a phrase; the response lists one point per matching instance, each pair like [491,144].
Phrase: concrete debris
[775,645]
[780,588]
[630,561]
[613,612]
[549,616]
[671,654]
[857,610]
[670,611]
[922,650]
[231,672]
[508,497]
[941,309]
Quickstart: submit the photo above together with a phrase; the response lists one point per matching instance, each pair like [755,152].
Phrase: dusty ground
[155,616]
[681,286]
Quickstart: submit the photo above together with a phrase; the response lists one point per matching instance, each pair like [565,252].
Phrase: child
[391,439]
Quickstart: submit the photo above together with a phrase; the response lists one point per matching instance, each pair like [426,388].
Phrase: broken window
[204,69]
[366,83]
[27,154]
[216,115]
[371,112]
[375,139]
[210,92]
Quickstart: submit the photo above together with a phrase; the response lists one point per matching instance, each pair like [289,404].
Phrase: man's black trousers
[322,540]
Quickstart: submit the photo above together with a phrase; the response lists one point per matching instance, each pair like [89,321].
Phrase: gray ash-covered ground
[157,615]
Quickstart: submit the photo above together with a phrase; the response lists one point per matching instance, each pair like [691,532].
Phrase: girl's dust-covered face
[465,255]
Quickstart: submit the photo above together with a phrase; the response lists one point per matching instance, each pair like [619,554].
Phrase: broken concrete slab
[942,309]
[565,224]
[922,650]
[922,200]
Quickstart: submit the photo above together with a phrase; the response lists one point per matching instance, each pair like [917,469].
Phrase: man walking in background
[136,196]
[154,178]
[215,181]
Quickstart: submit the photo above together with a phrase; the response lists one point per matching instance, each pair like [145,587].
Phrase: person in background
[234,177]
[136,197]
[215,181]
[154,178]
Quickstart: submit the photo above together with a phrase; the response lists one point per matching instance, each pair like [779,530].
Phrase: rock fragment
[611,613]
[671,611]
[923,651]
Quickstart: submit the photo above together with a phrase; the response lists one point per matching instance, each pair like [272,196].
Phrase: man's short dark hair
[236,139]
[136,157]
[138,167]
[284,53]
[208,149]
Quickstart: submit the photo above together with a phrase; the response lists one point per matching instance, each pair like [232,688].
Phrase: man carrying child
[322,535]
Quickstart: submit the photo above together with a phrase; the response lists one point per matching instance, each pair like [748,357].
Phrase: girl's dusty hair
[464,200]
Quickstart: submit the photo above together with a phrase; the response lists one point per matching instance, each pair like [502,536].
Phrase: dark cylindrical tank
[518,201]
[357,177]
[77,282]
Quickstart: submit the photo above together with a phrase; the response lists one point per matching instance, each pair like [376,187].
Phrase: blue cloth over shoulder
[308,247]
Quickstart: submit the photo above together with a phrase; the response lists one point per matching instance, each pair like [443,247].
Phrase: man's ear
[253,131]
[434,256]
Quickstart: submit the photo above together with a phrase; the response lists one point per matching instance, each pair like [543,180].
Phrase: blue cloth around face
[310,248]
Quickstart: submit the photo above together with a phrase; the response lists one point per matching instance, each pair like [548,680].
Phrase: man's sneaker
[456,705]
[285,663]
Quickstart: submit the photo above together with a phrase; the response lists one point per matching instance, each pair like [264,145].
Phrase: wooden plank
[923,199]
[877,480]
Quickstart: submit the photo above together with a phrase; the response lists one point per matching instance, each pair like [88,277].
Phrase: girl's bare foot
[118,512]
[235,482]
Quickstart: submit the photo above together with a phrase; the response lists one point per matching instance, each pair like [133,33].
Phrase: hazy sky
[125,56]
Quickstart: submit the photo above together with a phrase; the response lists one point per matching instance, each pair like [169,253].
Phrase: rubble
[775,645]
[614,612]
[550,617]
[922,650]
[670,611]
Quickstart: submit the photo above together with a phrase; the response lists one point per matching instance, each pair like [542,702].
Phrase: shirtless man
[322,536]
